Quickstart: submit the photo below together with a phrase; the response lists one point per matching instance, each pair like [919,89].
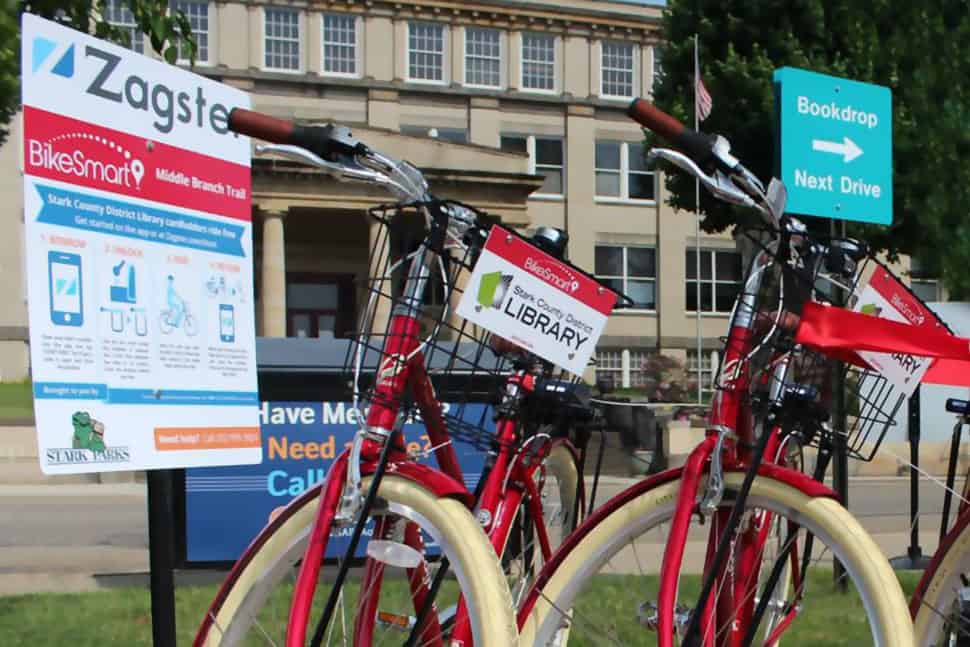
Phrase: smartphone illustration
[64,281]
[227,323]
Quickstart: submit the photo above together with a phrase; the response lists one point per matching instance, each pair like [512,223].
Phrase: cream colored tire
[832,525]
[471,557]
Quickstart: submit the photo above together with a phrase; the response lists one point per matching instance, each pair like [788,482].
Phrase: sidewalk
[82,537]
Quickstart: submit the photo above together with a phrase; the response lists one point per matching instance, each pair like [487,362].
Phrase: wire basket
[468,367]
[777,366]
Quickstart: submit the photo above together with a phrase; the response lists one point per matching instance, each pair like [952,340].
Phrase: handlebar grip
[260,126]
[696,145]
[962,407]
[655,120]
[333,143]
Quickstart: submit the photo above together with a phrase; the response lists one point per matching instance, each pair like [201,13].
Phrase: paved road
[57,537]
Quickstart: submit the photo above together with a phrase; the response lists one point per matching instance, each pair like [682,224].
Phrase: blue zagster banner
[94,213]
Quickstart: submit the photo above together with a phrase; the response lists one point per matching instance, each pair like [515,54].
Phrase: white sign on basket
[885,297]
[137,214]
[525,295]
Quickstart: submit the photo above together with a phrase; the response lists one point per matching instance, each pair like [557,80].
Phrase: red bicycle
[422,578]
[738,514]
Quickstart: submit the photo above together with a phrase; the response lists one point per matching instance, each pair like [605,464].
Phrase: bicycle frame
[727,447]
[510,478]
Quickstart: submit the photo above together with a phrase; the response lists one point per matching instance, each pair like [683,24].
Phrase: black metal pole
[161,555]
[840,457]
[914,559]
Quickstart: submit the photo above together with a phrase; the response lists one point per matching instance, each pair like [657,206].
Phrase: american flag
[702,99]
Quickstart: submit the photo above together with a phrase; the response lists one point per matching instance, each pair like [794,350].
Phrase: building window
[925,279]
[198,16]
[454,135]
[340,44]
[426,52]
[282,39]
[927,290]
[658,65]
[318,304]
[639,368]
[483,57]
[631,271]
[538,61]
[616,69]
[546,158]
[119,15]
[720,280]
[621,172]
[703,371]
[609,368]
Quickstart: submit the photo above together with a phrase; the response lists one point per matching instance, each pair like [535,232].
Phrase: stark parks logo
[87,445]
[492,289]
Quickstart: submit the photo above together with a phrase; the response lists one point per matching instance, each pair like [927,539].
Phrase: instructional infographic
[139,260]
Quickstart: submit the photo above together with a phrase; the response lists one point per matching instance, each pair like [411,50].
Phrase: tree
[914,48]
[166,30]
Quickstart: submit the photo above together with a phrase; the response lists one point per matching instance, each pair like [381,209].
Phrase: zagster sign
[884,296]
[528,297]
[138,230]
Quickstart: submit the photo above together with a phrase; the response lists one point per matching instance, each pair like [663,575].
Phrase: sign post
[139,272]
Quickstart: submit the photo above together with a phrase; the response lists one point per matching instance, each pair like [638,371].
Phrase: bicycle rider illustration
[177,314]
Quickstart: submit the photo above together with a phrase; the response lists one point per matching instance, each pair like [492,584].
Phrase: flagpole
[697,239]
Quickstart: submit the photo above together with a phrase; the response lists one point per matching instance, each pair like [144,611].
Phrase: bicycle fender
[438,483]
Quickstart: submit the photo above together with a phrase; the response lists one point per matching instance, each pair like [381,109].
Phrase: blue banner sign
[836,146]
[226,507]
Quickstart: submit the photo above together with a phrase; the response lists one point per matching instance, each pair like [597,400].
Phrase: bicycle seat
[954,405]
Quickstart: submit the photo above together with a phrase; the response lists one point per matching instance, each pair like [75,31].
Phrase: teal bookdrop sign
[836,146]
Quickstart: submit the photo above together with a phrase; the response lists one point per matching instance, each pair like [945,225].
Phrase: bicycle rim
[253,606]
[559,486]
[603,586]
[941,602]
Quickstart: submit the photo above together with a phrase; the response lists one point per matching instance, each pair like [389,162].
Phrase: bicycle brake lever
[719,185]
[335,170]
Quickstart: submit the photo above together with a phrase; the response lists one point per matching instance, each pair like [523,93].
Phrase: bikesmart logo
[87,156]
[551,274]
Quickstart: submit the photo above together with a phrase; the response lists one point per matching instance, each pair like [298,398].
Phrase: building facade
[515,107]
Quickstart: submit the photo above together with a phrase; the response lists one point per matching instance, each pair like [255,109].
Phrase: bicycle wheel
[253,605]
[188,325]
[165,322]
[560,491]
[602,588]
[941,603]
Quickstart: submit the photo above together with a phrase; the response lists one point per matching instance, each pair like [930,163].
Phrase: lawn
[16,400]
[121,616]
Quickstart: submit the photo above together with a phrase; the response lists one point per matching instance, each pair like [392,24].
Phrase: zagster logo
[42,48]
[87,156]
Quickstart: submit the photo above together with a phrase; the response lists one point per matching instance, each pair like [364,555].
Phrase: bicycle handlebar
[327,141]
[696,145]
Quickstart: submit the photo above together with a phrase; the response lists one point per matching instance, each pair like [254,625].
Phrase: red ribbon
[842,334]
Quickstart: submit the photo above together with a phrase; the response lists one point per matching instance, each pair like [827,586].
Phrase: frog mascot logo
[88,432]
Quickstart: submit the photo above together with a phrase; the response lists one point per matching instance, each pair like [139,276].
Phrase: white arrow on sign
[848,149]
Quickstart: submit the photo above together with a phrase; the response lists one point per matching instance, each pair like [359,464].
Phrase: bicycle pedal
[394,553]
[395,621]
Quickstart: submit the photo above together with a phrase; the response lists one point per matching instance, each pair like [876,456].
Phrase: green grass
[122,616]
[16,400]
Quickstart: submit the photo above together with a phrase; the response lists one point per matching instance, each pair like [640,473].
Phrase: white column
[272,295]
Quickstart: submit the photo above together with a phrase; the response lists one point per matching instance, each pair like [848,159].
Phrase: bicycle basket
[776,363]
[466,365]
